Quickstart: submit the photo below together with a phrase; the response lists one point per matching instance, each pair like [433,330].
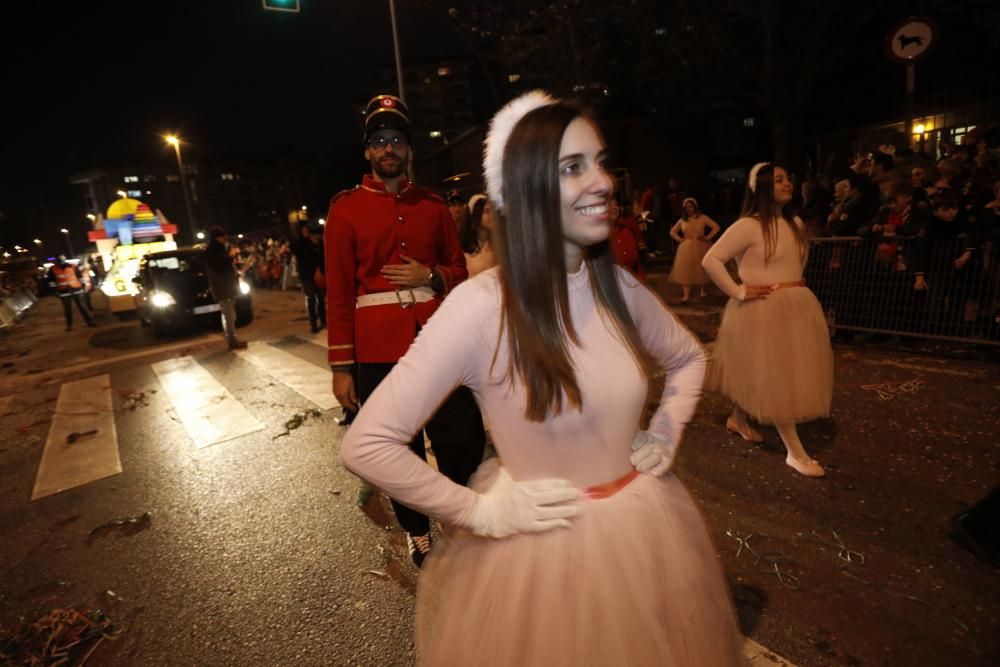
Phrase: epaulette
[343,193]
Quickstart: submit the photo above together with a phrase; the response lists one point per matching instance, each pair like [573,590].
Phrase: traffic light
[281,5]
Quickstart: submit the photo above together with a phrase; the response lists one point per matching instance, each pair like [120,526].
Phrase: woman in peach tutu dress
[772,356]
[474,235]
[582,548]
[689,232]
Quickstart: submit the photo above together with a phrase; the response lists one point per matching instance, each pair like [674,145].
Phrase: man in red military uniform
[392,254]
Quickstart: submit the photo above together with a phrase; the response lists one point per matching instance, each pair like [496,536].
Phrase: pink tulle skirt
[773,358]
[687,263]
[635,581]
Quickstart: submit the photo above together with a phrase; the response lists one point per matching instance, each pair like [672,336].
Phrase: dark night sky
[96,83]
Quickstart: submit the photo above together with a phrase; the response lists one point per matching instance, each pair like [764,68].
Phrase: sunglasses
[397,141]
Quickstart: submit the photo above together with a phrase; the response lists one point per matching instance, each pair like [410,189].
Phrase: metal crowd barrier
[869,285]
[12,306]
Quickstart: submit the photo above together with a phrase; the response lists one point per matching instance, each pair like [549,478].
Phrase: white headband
[473,200]
[496,140]
[752,180]
[692,200]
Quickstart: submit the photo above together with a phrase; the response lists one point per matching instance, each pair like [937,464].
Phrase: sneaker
[419,546]
[314,329]
[237,345]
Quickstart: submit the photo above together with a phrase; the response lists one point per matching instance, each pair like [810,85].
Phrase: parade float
[123,236]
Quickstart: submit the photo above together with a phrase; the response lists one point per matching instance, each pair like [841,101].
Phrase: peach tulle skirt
[687,263]
[635,581]
[773,358]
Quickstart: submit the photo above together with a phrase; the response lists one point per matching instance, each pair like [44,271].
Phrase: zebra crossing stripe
[84,407]
[209,413]
[307,379]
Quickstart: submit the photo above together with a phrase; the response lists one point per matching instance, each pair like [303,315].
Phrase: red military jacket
[367,228]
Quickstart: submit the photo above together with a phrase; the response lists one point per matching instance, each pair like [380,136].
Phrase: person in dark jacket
[308,251]
[224,281]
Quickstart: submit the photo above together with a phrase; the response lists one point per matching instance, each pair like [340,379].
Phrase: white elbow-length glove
[652,454]
[523,507]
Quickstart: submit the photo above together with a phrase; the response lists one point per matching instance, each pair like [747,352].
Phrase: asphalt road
[256,551]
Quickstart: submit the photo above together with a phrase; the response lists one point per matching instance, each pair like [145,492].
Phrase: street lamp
[69,244]
[38,242]
[174,141]
[122,194]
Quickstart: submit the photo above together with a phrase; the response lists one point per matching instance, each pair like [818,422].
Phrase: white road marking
[759,655]
[925,369]
[84,405]
[308,380]
[209,413]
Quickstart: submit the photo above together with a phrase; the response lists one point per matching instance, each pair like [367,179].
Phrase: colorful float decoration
[123,237]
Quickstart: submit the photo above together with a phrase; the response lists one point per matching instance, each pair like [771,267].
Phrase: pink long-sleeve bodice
[586,447]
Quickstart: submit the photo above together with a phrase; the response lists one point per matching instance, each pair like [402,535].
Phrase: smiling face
[782,187]
[584,189]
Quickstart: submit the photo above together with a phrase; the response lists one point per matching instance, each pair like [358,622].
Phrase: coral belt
[794,283]
[608,489]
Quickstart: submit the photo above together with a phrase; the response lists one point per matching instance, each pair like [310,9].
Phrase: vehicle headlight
[244,287]
[161,299]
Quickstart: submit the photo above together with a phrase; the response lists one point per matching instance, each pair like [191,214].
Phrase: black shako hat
[386,112]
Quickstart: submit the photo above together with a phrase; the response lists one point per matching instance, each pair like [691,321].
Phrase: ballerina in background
[772,356]
[689,232]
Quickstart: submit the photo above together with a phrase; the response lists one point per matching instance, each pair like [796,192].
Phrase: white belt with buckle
[404,298]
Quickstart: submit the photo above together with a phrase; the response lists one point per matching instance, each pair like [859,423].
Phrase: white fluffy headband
[496,140]
[752,180]
[692,200]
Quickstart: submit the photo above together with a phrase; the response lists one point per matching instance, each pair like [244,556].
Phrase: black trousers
[315,303]
[67,301]
[456,432]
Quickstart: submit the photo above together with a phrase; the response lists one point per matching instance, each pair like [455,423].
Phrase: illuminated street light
[91,217]
[122,194]
[239,236]
[69,244]
[38,242]
[322,221]
[304,207]
[175,141]
[918,129]
[200,235]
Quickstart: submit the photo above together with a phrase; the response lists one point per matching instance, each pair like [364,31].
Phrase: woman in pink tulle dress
[583,547]
[694,242]
[772,356]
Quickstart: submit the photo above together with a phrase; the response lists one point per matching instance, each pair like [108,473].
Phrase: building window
[749,121]
[435,134]
[444,71]
[660,32]
[513,78]
[149,178]
[135,194]
[227,177]
[131,179]
[172,179]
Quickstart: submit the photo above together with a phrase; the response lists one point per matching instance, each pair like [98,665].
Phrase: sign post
[907,43]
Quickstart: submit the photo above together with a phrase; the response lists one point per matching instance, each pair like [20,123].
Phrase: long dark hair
[472,234]
[759,203]
[529,245]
